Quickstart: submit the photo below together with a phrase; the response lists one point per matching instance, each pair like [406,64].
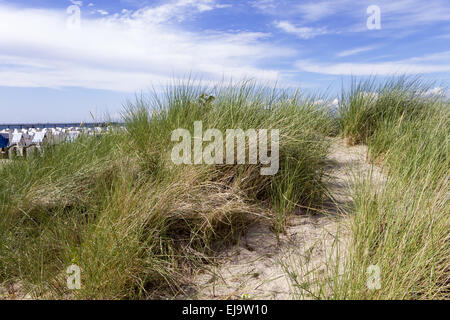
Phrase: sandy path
[255,267]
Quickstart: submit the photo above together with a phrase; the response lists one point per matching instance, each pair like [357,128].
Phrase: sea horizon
[54,125]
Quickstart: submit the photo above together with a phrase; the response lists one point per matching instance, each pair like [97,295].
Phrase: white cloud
[317,10]
[432,63]
[400,15]
[395,13]
[175,10]
[301,32]
[354,51]
[125,52]
[263,4]
[102,12]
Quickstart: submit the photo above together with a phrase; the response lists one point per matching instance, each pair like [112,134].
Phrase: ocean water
[53,125]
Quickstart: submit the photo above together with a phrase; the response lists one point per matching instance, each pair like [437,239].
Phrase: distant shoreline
[55,125]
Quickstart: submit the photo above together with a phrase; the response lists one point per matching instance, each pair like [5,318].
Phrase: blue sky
[53,69]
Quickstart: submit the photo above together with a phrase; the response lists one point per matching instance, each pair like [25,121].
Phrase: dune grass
[135,223]
[138,225]
[403,226]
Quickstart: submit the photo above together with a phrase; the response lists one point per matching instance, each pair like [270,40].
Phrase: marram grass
[403,226]
[138,225]
[134,222]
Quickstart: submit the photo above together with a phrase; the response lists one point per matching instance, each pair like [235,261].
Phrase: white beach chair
[72,136]
[15,145]
[36,142]
[55,137]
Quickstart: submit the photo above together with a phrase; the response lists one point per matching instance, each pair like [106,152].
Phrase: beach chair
[36,143]
[4,141]
[72,136]
[16,144]
[55,137]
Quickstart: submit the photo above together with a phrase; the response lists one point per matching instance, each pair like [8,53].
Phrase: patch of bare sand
[14,291]
[256,266]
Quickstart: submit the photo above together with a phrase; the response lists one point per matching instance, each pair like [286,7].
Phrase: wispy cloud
[102,12]
[439,62]
[402,13]
[263,4]
[317,10]
[127,51]
[176,10]
[395,15]
[355,51]
[301,32]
